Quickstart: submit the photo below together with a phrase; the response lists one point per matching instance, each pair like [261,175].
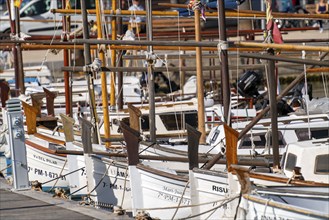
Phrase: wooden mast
[271,83]
[150,64]
[225,81]
[68,90]
[228,14]
[199,75]
[105,102]
[113,55]
[120,62]
[89,77]
[16,49]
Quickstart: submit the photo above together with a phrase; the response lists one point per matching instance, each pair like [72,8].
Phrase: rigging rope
[213,210]
[124,186]
[306,96]
[60,174]
[181,199]
[225,201]
[237,61]
[100,180]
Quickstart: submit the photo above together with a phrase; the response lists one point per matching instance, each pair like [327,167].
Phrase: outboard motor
[284,108]
[299,90]
[297,96]
[248,84]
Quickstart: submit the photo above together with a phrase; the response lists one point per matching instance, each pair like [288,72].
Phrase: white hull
[108,183]
[44,167]
[212,195]
[284,207]
[159,195]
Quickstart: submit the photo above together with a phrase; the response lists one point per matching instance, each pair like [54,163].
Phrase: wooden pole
[200,87]
[13,47]
[105,102]
[120,63]
[228,14]
[181,70]
[284,46]
[19,58]
[89,77]
[272,85]
[166,48]
[284,59]
[150,74]
[68,90]
[113,55]
[225,80]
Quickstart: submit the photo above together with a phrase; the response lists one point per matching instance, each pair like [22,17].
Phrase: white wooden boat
[255,143]
[45,165]
[284,192]
[288,202]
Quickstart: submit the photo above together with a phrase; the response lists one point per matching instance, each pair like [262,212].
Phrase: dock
[30,204]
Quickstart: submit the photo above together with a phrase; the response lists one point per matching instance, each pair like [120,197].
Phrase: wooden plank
[29,204]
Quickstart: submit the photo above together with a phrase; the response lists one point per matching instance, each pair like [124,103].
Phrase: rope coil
[197,5]
[101,48]
[222,45]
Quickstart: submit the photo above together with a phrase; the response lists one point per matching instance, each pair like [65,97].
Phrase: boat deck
[30,204]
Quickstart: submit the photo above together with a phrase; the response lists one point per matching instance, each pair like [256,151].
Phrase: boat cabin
[311,157]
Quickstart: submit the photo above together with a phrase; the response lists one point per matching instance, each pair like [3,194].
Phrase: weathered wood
[243,161]
[4,91]
[283,46]
[284,59]
[134,117]
[193,138]
[50,96]
[151,59]
[105,102]
[31,117]
[113,55]
[68,123]
[37,101]
[272,178]
[199,76]
[225,77]
[86,127]
[89,75]
[166,48]
[131,137]
[49,139]
[228,13]
[231,137]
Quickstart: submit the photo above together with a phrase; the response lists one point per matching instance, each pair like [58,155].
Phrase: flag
[271,25]
[17,3]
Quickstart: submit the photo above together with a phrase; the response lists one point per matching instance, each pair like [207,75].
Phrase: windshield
[24,2]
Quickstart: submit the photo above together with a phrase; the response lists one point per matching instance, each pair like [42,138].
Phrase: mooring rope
[225,200]
[306,95]
[100,180]
[213,209]
[77,190]
[6,168]
[181,199]
[60,174]
[124,187]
